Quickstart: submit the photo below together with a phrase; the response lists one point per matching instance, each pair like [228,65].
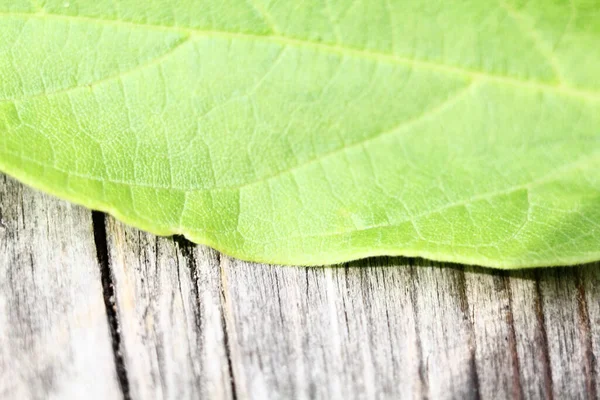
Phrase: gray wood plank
[445,330]
[567,339]
[321,333]
[553,331]
[548,335]
[168,303]
[381,328]
[376,329]
[493,335]
[54,335]
[527,338]
[589,323]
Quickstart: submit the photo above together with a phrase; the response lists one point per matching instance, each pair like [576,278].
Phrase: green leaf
[319,131]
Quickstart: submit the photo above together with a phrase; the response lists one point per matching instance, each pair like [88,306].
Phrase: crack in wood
[187,251]
[108,291]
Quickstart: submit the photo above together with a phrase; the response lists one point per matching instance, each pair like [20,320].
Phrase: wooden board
[55,339]
[168,303]
[169,320]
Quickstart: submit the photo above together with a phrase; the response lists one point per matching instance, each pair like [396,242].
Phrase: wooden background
[90,308]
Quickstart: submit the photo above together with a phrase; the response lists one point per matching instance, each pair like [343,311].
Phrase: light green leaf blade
[316,132]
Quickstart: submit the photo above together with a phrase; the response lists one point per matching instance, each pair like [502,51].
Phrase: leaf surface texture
[316,132]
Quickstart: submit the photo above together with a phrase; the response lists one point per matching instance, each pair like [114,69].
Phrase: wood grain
[54,334]
[385,328]
[186,322]
[168,303]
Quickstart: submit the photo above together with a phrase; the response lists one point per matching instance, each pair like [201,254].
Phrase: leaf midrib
[343,50]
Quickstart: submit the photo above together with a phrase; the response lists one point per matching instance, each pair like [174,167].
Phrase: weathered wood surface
[55,340]
[90,306]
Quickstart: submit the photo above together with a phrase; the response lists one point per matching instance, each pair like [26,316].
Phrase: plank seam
[186,249]
[108,291]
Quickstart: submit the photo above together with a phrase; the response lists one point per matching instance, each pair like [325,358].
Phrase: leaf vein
[345,50]
[548,177]
[139,67]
